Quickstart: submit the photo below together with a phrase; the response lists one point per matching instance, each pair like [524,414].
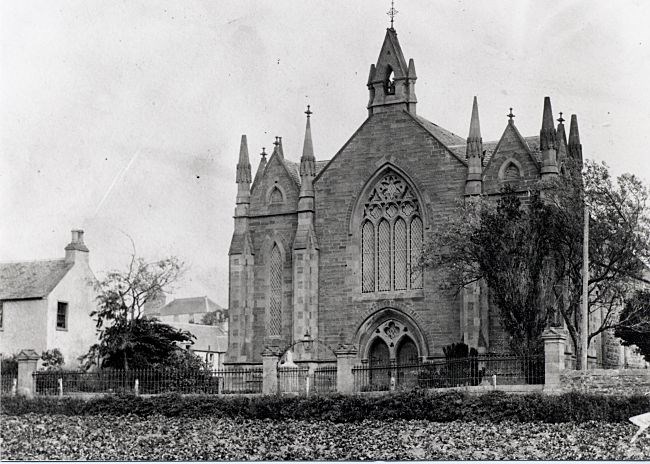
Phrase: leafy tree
[502,244]
[530,256]
[128,339]
[634,327]
[52,359]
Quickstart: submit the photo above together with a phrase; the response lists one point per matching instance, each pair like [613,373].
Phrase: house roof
[31,279]
[199,304]
[208,337]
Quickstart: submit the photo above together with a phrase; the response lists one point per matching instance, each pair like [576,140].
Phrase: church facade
[329,249]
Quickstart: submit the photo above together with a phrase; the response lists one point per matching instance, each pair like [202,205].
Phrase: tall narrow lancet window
[383,255]
[274,321]
[416,240]
[391,237]
[400,261]
[368,256]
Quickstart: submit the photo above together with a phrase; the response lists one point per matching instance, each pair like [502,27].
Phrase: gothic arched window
[274,314]
[391,237]
[511,173]
[276,196]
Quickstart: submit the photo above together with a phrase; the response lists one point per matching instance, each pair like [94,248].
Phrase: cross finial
[510,115]
[392,12]
[277,141]
[308,112]
[561,120]
[263,154]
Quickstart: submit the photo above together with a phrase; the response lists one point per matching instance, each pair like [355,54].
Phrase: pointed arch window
[391,237]
[276,196]
[274,313]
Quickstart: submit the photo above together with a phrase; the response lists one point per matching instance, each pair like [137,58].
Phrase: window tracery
[391,237]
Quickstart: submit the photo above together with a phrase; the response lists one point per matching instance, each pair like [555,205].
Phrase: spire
[307,169]
[474,125]
[547,136]
[561,144]
[474,153]
[307,160]
[243,174]
[548,142]
[244,165]
[575,147]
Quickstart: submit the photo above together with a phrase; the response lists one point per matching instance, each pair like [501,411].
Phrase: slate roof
[444,136]
[194,305]
[293,168]
[208,337]
[31,279]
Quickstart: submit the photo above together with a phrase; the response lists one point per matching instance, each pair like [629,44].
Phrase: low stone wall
[606,381]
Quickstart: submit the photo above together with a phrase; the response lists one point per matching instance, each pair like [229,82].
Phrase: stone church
[328,249]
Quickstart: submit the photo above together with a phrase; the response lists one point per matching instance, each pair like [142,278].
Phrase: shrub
[420,405]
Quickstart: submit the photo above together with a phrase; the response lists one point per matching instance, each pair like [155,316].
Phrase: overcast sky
[124,117]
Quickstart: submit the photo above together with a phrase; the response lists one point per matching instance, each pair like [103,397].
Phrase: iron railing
[292,379]
[323,379]
[149,381]
[444,373]
[7,382]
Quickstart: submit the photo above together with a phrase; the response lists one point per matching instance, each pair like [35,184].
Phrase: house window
[62,315]
[391,237]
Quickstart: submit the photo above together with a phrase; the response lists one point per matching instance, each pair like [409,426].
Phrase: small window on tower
[389,84]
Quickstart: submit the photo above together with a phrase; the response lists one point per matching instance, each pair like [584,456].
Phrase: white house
[46,304]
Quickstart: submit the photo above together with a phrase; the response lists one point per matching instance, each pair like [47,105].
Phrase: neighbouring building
[189,311]
[210,344]
[46,304]
[328,249]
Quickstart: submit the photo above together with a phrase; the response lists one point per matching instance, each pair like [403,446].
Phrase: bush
[418,405]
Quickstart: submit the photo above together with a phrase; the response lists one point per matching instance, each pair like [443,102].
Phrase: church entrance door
[407,360]
[379,360]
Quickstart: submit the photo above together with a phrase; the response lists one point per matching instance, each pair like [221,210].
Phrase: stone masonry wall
[607,381]
[396,140]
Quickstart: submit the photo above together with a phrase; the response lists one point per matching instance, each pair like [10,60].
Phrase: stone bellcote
[391,82]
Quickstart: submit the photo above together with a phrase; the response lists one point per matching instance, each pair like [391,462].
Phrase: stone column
[27,360]
[270,358]
[554,338]
[346,356]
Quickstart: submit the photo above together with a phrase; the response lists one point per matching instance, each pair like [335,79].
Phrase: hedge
[438,407]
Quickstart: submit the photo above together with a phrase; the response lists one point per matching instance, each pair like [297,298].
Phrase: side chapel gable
[276,191]
[511,160]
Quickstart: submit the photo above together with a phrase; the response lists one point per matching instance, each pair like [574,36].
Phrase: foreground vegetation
[130,438]
[436,407]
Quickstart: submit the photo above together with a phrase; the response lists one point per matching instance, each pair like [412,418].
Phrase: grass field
[41,437]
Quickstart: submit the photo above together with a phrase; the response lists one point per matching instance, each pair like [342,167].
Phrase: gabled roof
[31,279]
[194,305]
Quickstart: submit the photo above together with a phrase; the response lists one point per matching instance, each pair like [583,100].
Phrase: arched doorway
[379,360]
[407,360]
[407,352]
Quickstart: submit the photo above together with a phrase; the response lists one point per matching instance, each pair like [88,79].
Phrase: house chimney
[76,248]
